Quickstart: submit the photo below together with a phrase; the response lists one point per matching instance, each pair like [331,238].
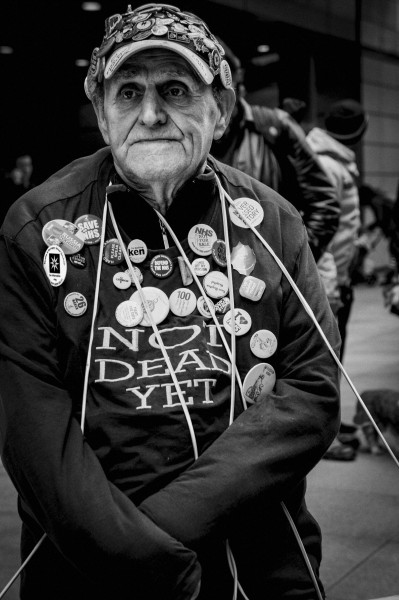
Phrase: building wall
[380,93]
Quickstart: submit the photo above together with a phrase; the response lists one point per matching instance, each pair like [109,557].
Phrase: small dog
[383,405]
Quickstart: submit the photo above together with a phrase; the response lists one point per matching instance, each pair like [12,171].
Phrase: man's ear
[226,106]
[101,120]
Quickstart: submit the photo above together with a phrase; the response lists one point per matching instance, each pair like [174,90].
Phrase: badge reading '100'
[201,239]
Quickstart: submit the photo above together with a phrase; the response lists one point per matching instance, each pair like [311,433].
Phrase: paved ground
[356,503]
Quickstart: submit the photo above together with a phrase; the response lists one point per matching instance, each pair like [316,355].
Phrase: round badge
[75,304]
[201,266]
[203,307]
[250,209]
[62,233]
[167,21]
[137,250]
[222,306]
[259,382]
[161,266]
[55,266]
[182,302]
[122,281]
[242,321]
[158,303]
[89,227]
[201,238]
[216,284]
[219,253]
[129,313]
[252,288]
[145,24]
[138,273]
[159,30]
[113,254]
[263,343]
[141,35]
[78,260]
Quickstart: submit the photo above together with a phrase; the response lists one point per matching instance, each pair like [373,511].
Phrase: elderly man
[134,291]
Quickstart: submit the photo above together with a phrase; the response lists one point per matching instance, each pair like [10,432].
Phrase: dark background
[44,110]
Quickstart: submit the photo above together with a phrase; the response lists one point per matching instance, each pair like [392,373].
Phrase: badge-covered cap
[75,304]
[263,343]
[55,266]
[182,302]
[250,209]
[138,251]
[158,26]
[201,239]
[216,284]
[89,226]
[64,234]
[242,321]
[158,303]
[259,382]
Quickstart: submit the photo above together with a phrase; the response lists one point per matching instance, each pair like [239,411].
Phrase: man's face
[159,118]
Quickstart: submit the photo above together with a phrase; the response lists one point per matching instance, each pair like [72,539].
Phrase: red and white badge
[55,265]
[89,228]
[75,304]
[259,382]
[263,343]
[158,303]
[216,284]
[138,251]
[129,313]
[182,302]
[250,209]
[201,239]
[62,233]
[242,321]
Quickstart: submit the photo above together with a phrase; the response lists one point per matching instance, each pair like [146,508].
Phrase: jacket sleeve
[57,475]
[271,446]
[318,200]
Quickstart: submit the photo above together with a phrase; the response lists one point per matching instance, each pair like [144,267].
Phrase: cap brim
[121,54]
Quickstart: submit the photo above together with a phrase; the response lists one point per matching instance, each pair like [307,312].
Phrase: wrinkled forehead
[157,63]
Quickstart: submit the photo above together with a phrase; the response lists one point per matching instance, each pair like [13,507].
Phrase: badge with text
[129,313]
[216,284]
[78,260]
[250,209]
[89,227]
[201,266]
[201,239]
[122,280]
[242,321]
[75,304]
[202,307]
[263,343]
[259,382]
[219,253]
[138,274]
[161,266]
[252,288]
[113,254]
[157,302]
[182,302]
[137,250]
[55,266]
[62,233]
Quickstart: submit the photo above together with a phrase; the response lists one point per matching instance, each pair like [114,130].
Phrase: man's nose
[152,110]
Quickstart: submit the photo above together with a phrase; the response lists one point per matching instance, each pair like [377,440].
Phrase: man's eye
[175,92]
[128,93]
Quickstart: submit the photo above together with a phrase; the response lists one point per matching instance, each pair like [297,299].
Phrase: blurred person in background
[16,183]
[268,144]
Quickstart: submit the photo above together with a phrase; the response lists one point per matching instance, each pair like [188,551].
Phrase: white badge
[122,280]
[137,251]
[201,239]
[216,284]
[129,313]
[75,304]
[263,343]
[201,266]
[202,307]
[182,302]
[242,321]
[158,303]
[252,288]
[55,265]
[259,382]
[248,208]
